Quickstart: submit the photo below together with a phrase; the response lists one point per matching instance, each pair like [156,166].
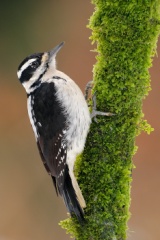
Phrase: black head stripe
[30,69]
[37,56]
[26,75]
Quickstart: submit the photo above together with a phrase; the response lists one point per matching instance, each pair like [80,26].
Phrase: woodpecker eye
[34,64]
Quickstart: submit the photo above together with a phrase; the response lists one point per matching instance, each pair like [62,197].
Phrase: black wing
[50,128]
[50,123]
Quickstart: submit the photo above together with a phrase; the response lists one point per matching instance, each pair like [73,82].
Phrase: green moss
[126,33]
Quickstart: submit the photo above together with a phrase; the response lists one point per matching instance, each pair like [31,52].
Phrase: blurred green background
[29,207]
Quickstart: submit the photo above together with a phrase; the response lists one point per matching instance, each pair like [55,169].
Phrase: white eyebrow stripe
[19,73]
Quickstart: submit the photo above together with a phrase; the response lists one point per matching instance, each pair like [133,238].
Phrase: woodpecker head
[36,66]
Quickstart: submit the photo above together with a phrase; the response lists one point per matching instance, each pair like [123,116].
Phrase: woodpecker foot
[88,87]
[94,112]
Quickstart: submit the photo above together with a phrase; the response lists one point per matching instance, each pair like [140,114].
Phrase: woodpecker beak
[55,50]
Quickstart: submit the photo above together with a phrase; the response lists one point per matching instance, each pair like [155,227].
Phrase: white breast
[78,117]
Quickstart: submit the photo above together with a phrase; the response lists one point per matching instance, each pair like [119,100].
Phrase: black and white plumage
[60,119]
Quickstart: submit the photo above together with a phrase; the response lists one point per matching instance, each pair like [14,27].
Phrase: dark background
[29,207]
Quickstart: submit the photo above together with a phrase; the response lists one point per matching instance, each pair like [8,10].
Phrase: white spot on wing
[39,124]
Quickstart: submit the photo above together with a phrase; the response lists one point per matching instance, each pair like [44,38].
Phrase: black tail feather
[70,198]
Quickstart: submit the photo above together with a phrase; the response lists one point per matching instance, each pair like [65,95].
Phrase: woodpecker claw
[94,112]
[88,87]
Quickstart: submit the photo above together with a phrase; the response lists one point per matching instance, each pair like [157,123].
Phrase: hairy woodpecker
[60,119]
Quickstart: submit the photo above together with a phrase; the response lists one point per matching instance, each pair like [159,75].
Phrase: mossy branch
[126,33]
